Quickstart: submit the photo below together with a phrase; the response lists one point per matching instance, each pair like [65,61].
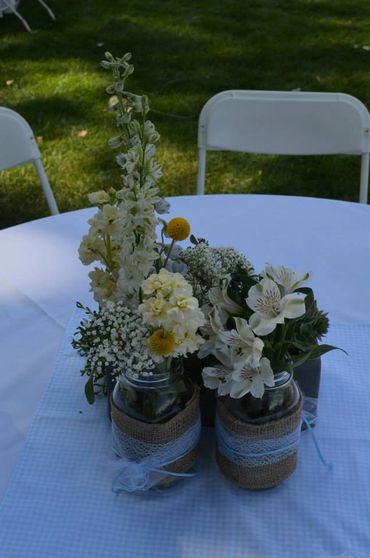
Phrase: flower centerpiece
[162,307]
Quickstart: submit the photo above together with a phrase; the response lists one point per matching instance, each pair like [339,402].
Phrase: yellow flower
[161,342]
[178,228]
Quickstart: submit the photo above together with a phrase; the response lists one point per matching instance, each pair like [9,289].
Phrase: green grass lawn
[184,52]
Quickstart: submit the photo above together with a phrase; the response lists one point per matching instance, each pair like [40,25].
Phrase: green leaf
[316,352]
[322,349]
[89,390]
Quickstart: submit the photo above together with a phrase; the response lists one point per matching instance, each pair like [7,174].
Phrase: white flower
[188,343]
[168,303]
[246,348]
[150,151]
[252,379]
[287,279]
[166,284]
[162,206]
[270,308]
[106,220]
[90,248]
[102,285]
[154,170]
[218,297]
[150,133]
[217,378]
[130,160]
[98,198]
[211,330]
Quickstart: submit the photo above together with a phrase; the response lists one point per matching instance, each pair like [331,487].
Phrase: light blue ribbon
[140,466]
[309,412]
[309,423]
[251,452]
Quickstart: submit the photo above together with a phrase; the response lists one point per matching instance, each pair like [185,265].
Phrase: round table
[41,278]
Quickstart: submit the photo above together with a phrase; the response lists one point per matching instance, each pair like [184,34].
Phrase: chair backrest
[17,142]
[285,123]
[18,146]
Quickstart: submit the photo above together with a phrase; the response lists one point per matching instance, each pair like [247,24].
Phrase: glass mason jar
[153,399]
[278,401]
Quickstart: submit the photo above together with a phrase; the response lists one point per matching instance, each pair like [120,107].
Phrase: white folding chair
[285,123]
[10,7]
[18,146]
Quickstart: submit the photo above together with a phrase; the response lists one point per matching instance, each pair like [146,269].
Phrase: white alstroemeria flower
[287,279]
[217,378]
[218,297]
[252,380]
[271,308]
[246,348]
[212,328]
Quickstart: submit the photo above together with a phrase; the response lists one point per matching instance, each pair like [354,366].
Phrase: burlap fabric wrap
[263,476]
[162,433]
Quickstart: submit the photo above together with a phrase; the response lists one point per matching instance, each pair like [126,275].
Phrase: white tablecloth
[41,278]
[60,503]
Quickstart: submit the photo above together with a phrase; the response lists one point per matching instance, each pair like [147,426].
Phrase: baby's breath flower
[208,267]
[114,336]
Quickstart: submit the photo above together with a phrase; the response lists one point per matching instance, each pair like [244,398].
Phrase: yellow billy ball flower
[178,228]
[161,342]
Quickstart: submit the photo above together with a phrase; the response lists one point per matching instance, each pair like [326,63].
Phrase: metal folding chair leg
[17,14]
[44,5]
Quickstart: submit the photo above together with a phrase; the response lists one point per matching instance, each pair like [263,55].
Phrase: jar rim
[148,382]
[153,381]
[281,379]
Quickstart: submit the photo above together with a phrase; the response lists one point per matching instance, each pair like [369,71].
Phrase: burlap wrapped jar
[157,434]
[261,476]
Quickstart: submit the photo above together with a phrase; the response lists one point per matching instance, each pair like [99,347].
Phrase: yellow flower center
[161,342]
[178,228]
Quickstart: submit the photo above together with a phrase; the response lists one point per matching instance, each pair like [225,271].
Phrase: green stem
[108,246]
[168,253]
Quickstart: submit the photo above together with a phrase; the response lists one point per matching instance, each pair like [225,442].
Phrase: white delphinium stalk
[122,235]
